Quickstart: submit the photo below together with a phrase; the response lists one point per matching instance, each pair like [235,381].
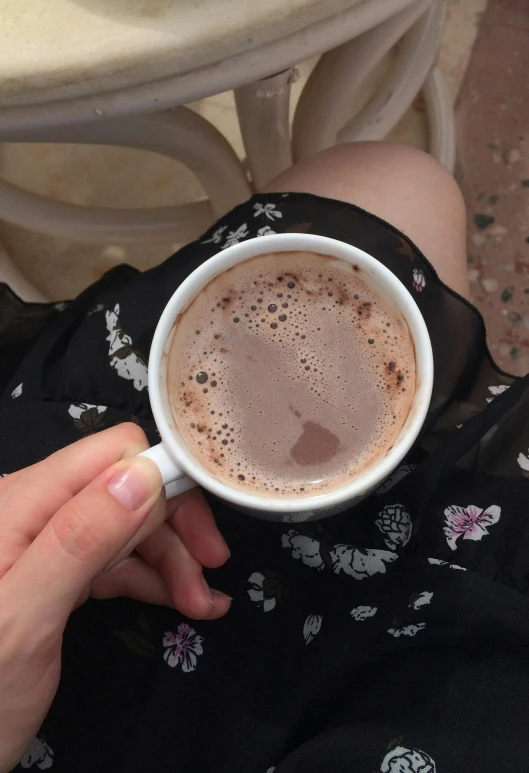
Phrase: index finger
[30,497]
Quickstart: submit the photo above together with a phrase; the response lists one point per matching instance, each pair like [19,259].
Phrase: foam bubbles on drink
[299,401]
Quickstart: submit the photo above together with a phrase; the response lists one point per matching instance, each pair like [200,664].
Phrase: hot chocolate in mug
[182,470]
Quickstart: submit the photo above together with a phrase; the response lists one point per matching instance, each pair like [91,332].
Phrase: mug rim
[375,473]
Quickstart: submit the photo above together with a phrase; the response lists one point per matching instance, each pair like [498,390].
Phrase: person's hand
[68,529]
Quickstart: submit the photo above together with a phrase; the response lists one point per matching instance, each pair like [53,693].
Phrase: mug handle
[173,478]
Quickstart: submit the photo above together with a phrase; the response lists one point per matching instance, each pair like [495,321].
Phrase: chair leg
[440,110]
[416,56]
[263,111]
[325,102]
[319,120]
[178,133]
[101,225]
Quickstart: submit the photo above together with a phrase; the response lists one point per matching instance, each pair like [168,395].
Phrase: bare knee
[404,186]
[352,169]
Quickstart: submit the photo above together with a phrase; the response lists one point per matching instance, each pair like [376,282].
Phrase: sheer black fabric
[393,637]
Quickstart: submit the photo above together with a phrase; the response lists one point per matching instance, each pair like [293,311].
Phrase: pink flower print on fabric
[182,648]
[471,522]
[419,280]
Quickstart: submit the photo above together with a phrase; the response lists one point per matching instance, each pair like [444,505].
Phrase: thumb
[81,539]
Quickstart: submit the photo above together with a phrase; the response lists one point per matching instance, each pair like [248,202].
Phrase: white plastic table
[119,72]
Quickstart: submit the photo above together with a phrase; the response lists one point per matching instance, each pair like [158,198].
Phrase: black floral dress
[392,638]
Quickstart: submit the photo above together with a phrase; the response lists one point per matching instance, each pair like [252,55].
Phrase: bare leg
[404,186]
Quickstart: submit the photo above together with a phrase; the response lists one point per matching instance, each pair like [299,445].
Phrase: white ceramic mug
[181,470]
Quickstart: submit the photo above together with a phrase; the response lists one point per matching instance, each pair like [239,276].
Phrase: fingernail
[220,595]
[135,482]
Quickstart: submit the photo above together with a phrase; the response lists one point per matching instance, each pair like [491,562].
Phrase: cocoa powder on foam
[289,375]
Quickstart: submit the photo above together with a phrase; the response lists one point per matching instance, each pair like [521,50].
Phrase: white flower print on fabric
[268,210]
[125,360]
[311,627]
[86,417]
[356,562]
[419,280]
[403,760]
[395,524]
[17,391]
[497,390]
[399,473]
[438,562]
[182,647]
[407,630]
[295,518]
[265,231]
[420,599]
[303,547]
[97,307]
[256,592]
[60,306]
[271,770]
[234,237]
[362,613]
[39,754]
[360,562]
[217,236]
[523,461]
[471,522]
[266,589]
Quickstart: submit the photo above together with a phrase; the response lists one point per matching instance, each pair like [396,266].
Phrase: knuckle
[129,434]
[77,534]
